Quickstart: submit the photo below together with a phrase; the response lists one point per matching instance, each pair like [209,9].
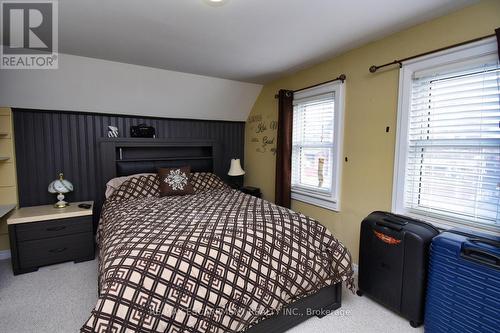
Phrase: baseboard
[4,254]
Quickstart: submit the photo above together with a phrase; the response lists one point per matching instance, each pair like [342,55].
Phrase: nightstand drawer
[47,251]
[53,228]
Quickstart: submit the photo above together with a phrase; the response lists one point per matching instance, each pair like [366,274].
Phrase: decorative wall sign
[255,118]
[261,127]
[264,130]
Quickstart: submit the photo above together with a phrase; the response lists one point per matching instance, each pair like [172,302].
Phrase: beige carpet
[59,298]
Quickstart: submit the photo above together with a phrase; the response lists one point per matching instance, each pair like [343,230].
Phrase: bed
[218,260]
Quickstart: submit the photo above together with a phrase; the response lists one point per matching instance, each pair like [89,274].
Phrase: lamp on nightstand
[236,173]
[60,186]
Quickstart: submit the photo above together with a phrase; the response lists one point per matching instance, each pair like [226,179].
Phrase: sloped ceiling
[94,85]
[244,40]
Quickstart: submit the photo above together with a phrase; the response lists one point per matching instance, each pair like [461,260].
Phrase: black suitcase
[393,256]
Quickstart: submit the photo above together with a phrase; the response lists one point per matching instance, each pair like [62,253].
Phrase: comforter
[215,261]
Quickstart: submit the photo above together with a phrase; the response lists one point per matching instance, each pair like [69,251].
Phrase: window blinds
[453,158]
[312,143]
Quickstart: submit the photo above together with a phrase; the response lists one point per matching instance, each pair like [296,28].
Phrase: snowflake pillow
[175,181]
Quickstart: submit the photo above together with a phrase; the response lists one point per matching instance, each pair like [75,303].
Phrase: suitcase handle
[484,241]
[395,220]
[481,257]
[389,225]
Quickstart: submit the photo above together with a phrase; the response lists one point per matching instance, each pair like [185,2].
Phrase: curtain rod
[375,68]
[341,77]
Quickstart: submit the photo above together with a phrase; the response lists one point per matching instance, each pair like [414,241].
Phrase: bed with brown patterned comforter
[215,261]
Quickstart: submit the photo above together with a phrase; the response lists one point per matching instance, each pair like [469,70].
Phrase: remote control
[84,205]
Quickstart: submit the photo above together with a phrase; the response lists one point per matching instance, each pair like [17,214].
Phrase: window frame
[462,53]
[318,198]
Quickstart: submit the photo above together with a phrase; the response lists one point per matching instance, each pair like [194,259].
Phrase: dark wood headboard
[127,156]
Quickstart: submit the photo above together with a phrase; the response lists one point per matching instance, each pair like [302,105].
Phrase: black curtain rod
[341,77]
[375,68]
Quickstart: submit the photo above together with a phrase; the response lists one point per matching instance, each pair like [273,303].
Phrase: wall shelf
[6,209]
[4,158]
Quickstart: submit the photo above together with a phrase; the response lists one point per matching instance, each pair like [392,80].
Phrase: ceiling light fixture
[216,3]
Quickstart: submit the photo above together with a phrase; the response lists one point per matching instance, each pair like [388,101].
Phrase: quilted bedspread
[215,261]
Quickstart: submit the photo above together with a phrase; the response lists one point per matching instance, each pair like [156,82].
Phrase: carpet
[59,298]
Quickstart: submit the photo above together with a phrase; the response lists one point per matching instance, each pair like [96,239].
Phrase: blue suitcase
[463,290]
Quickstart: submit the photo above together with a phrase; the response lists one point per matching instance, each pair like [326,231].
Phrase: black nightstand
[255,191]
[44,235]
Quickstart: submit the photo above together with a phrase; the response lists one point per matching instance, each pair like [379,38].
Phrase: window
[448,151]
[316,145]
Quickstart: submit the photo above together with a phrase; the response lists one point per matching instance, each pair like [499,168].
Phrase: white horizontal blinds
[312,142]
[453,160]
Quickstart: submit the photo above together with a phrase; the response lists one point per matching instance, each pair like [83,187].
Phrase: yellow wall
[371,105]
[8,184]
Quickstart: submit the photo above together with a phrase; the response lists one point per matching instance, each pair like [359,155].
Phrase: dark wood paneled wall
[49,142]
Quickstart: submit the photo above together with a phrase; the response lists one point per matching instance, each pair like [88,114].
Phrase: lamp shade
[60,185]
[235,169]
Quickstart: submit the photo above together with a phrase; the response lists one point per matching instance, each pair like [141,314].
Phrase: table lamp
[60,186]
[236,173]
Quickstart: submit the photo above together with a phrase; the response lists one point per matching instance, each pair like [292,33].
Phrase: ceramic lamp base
[61,203]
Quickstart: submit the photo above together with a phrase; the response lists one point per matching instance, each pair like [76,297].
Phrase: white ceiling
[245,40]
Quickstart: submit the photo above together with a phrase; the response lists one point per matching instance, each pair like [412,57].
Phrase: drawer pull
[56,228]
[58,250]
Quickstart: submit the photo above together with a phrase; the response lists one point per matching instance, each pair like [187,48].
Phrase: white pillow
[113,184]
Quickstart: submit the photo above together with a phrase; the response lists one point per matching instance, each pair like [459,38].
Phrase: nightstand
[44,235]
[255,191]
